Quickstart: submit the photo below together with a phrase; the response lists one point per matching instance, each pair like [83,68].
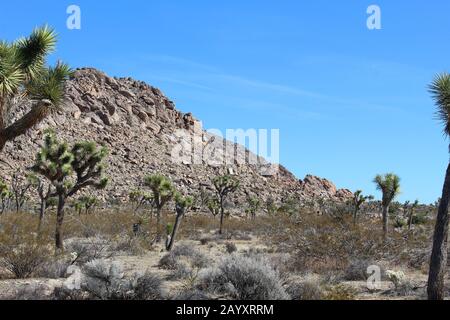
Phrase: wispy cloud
[210,78]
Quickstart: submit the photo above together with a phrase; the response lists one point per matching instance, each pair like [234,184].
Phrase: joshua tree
[20,185]
[224,186]
[69,170]
[440,91]
[271,206]
[358,200]
[163,191]
[389,185]
[5,197]
[45,192]
[214,206]
[182,204]
[412,208]
[253,206]
[139,198]
[202,198]
[85,202]
[23,72]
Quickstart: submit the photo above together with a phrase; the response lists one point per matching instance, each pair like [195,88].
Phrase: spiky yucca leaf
[440,91]
[32,50]
[49,85]
[11,76]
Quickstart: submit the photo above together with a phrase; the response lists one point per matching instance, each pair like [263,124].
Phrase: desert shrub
[230,247]
[191,294]
[89,249]
[34,291]
[308,289]
[128,245]
[420,218]
[104,280]
[399,222]
[183,252]
[23,259]
[54,268]
[357,269]
[147,287]
[340,292]
[183,270]
[243,278]
[204,240]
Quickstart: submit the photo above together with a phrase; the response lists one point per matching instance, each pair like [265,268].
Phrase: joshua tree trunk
[385,221]
[2,141]
[222,213]
[410,219]
[171,241]
[59,223]
[355,216]
[438,262]
[158,224]
[41,214]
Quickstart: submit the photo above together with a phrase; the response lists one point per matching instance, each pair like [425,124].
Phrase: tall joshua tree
[182,204]
[389,185]
[23,72]
[358,200]
[224,186]
[69,169]
[412,208]
[440,91]
[163,191]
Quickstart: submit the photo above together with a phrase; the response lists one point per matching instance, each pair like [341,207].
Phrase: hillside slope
[140,126]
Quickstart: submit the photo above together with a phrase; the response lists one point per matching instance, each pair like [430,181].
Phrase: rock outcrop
[144,133]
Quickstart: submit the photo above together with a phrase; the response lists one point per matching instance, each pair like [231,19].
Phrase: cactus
[5,197]
[224,186]
[182,205]
[69,169]
[358,200]
[163,191]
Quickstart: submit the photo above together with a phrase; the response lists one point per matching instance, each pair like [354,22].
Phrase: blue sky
[349,102]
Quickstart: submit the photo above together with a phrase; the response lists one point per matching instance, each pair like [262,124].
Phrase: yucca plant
[69,169]
[163,191]
[23,73]
[389,185]
[440,91]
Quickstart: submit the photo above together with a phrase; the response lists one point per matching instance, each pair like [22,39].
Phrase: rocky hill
[141,128]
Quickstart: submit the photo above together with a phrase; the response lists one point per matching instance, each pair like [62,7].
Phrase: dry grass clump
[310,288]
[184,260]
[22,251]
